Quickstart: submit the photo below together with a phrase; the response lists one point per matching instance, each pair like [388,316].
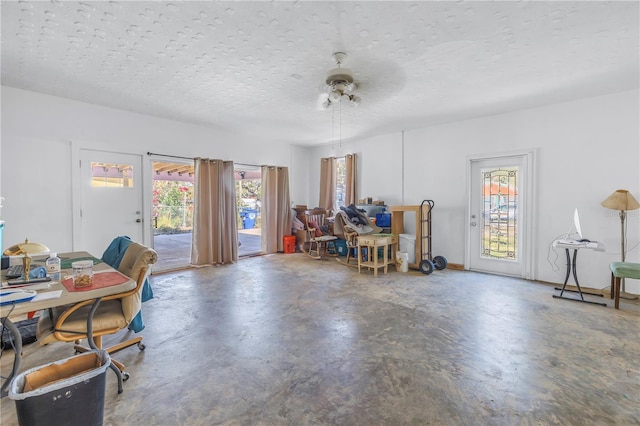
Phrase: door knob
[473,224]
[138,220]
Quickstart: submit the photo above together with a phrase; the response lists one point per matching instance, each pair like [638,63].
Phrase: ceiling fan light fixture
[339,75]
[340,84]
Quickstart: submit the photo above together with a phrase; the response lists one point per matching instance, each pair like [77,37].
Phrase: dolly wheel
[440,262]
[426,266]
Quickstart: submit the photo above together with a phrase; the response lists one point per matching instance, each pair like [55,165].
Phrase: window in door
[111,175]
[500,206]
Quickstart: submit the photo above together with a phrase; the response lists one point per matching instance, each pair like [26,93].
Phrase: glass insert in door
[500,213]
[111,175]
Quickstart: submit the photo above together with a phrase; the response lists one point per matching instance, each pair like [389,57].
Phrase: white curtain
[276,208]
[215,225]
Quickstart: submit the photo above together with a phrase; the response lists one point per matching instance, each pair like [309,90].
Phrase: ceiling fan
[339,84]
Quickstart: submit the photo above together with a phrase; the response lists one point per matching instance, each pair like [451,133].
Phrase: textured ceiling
[259,67]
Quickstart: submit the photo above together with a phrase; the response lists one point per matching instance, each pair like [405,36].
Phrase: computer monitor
[575,227]
[576,223]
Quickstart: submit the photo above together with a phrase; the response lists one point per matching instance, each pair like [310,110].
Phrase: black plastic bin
[62,392]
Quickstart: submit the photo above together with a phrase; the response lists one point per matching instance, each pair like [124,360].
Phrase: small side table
[371,243]
[571,268]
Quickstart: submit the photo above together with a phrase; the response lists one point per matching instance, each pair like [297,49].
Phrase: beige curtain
[350,193]
[276,208]
[327,183]
[215,224]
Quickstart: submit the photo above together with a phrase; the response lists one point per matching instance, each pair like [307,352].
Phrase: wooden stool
[622,270]
[370,244]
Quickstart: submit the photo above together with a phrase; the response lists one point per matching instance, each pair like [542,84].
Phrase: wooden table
[66,298]
[370,244]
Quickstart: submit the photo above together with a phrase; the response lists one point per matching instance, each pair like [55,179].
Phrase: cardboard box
[301,238]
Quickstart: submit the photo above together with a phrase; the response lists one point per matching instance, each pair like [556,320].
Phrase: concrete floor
[287,340]
[174,250]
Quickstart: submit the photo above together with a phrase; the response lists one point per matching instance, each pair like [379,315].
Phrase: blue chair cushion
[625,270]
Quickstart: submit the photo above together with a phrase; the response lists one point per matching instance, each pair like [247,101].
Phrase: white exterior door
[499,191]
[110,199]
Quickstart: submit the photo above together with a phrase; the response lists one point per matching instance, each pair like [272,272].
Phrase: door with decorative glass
[496,212]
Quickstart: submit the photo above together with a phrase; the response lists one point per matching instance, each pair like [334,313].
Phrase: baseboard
[455,266]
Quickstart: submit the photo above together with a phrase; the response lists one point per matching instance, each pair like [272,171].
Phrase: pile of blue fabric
[112,256]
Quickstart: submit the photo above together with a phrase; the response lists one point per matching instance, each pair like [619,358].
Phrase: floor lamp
[623,201]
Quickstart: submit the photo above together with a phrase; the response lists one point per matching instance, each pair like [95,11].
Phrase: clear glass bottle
[53,266]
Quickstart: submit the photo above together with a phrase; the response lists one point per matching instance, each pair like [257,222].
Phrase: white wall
[585,150]
[37,135]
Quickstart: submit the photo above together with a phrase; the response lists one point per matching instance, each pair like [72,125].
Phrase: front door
[497,211]
[110,199]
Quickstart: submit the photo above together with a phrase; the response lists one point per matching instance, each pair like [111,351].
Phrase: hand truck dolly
[428,263]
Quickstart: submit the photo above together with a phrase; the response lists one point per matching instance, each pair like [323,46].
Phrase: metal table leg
[17,359]
[571,268]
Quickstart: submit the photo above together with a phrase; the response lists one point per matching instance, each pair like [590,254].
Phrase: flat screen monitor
[576,223]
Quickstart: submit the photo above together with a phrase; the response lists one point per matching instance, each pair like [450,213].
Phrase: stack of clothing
[356,220]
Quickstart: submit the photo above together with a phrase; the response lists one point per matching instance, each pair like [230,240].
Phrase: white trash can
[408,245]
[402,261]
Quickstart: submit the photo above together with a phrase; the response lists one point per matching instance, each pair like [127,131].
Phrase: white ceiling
[259,66]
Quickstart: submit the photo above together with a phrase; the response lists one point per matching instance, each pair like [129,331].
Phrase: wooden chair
[318,241]
[350,236]
[114,313]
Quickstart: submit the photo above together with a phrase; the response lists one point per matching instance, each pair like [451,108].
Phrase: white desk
[66,298]
[572,267]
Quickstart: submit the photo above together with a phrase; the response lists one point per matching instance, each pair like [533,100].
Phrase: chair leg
[80,349]
[617,302]
[311,250]
[113,349]
[331,249]
[612,289]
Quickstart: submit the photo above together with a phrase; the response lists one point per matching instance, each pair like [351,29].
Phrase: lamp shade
[26,248]
[621,200]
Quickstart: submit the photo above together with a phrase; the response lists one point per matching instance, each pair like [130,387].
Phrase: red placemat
[100,280]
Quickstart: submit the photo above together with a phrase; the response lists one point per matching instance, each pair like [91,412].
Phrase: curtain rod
[171,156]
[192,158]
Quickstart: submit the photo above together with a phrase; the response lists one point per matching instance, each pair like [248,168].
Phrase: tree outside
[248,198]
[172,207]
[173,204]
